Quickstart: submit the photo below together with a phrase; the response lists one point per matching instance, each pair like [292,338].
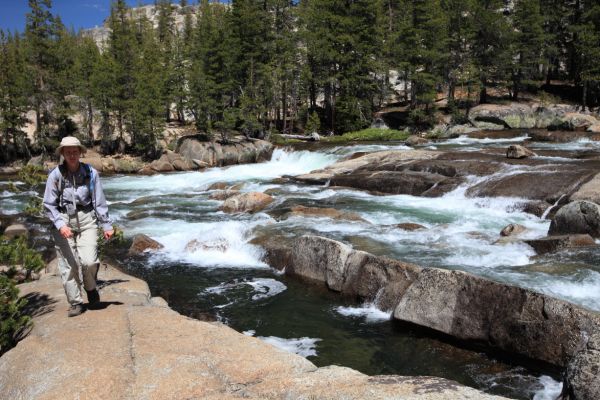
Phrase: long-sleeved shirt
[75,186]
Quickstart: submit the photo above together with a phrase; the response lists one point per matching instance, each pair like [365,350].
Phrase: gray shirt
[75,187]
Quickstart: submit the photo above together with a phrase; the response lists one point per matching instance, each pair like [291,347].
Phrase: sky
[74,13]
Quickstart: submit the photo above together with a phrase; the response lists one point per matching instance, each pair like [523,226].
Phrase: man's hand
[66,232]
[108,234]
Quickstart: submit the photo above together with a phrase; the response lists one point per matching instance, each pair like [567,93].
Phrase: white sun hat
[70,141]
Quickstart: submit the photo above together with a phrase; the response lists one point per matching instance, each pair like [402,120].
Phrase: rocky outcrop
[136,347]
[246,202]
[467,307]
[528,116]
[577,217]
[517,151]
[589,191]
[582,380]
[142,243]
[433,174]
[215,154]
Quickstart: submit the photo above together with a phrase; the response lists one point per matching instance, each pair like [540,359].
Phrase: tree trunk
[90,121]
[584,94]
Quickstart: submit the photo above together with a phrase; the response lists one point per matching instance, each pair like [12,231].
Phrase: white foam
[266,287]
[466,140]
[222,244]
[263,287]
[369,311]
[304,346]
[250,332]
[550,390]
[282,163]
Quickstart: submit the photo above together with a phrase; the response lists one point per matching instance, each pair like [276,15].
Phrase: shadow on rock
[38,304]
[102,284]
[104,305]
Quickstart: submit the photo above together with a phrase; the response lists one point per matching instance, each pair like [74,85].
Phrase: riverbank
[136,347]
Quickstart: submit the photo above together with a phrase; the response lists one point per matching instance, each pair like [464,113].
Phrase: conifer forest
[264,66]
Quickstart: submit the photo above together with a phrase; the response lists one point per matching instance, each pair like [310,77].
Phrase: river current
[227,279]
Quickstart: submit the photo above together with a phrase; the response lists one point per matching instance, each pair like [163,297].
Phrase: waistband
[79,207]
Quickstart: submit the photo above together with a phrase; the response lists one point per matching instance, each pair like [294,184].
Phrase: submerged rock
[410,226]
[577,217]
[512,230]
[517,151]
[213,245]
[142,243]
[323,212]
[246,202]
[554,243]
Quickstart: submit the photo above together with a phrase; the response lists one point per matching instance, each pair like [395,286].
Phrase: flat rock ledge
[515,320]
[136,347]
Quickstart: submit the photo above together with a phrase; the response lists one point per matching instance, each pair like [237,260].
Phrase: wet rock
[323,212]
[414,140]
[527,184]
[467,307]
[554,243]
[582,380]
[218,186]
[393,182]
[512,230]
[577,217]
[15,230]
[589,191]
[595,128]
[223,194]
[513,319]
[537,208]
[517,151]
[247,202]
[351,272]
[277,249]
[142,243]
[213,245]
[349,166]
[410,226]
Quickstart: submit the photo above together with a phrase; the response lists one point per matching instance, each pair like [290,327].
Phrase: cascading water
[209,263]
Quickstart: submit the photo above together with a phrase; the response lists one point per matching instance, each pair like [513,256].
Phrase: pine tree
[122,48]
[527,43]
[87,61]
[14,86]
[40,35]
[490,44]
[147,105]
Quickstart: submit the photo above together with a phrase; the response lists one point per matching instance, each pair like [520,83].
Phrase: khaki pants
[83,247]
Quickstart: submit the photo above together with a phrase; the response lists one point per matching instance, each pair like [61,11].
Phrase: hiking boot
[75,310]
[93,298]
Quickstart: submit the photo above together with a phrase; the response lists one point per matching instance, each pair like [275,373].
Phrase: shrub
[16,253]
[12,321]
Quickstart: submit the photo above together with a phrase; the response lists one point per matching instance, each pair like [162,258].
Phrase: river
[226,279]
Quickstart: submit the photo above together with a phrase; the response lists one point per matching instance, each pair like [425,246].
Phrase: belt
[79,207]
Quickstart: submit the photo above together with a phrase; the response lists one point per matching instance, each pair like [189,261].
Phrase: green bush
[12,320]
[16,253]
